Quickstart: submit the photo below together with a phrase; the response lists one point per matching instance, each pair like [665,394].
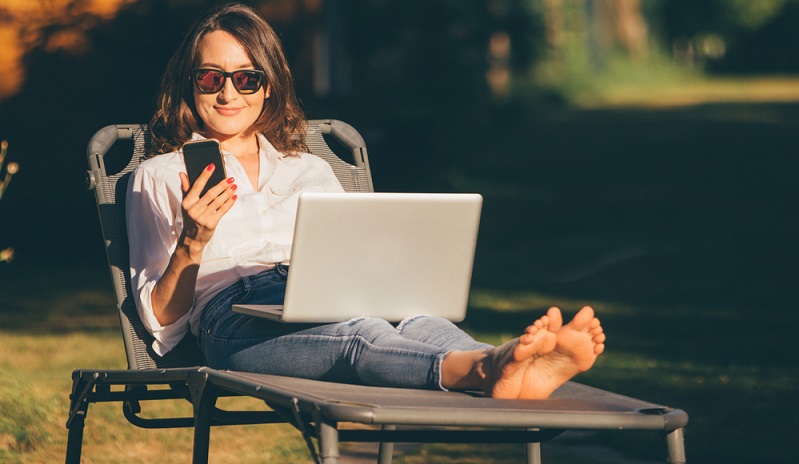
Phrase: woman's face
[227,113]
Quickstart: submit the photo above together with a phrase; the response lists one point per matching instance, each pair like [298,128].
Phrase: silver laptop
[386,255]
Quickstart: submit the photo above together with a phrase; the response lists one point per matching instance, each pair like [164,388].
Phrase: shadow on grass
[688,205]
[733,372]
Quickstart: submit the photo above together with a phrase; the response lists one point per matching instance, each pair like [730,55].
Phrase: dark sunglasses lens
[209,81]
[247,81]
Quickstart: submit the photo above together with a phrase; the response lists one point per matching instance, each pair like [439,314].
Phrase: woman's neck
[241,147]
[246,150]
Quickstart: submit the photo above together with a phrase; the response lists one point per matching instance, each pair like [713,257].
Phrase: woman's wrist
[190,248]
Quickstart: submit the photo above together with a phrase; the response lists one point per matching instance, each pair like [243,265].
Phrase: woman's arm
[173,294]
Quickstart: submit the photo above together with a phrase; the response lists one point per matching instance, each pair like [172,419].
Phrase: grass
[704,359]
[729,369]
[49,332]
[34,405]
[712,90]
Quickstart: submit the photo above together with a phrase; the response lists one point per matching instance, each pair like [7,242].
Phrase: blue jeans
[364,350]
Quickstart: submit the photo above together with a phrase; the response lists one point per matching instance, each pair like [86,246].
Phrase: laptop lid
[386,255]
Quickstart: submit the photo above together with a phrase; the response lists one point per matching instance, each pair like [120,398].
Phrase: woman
[193,257]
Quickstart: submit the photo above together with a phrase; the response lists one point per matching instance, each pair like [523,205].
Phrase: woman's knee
[424,324]
[368,327]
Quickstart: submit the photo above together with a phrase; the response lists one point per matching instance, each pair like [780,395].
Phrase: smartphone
[198,154]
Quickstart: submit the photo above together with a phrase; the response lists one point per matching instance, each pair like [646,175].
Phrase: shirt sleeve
[153,225]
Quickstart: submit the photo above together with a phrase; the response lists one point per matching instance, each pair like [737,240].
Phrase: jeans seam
[437,367]
[437,360]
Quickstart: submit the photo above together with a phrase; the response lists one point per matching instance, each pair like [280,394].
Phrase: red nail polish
[210,167]
[234,197]
[229,180]
[234,187]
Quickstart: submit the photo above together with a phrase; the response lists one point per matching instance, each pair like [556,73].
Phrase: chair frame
[319,409]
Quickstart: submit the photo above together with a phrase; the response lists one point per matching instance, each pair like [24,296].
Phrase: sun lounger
[322,411]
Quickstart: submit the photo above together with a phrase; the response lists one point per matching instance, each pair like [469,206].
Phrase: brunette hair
[282,120]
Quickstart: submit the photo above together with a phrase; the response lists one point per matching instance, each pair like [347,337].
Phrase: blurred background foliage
[418,73]
[618,117]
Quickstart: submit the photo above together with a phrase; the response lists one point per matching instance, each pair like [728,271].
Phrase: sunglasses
[246,81]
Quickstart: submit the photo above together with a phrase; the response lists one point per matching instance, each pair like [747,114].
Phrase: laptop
[385,255]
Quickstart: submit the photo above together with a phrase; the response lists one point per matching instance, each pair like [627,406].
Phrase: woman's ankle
[462,370]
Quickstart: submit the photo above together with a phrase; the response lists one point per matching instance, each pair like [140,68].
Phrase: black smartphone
[198,154]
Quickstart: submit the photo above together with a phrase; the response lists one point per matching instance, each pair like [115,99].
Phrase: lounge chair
[319,410]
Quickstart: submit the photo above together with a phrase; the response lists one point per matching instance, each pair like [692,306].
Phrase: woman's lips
[228,111]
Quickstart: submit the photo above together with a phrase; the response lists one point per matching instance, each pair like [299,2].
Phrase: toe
[542,322]
[582,319]
[598,349]
[555,319]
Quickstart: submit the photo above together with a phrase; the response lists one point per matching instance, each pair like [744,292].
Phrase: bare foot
[504,369]
[578,344]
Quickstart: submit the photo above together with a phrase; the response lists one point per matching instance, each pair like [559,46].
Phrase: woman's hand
[202,214]
[173,294]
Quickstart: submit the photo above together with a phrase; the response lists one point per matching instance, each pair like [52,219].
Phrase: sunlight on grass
[35,388]
[708,90]
[34,403]
[505,301]
[464,454]
[20,431]
[654,81]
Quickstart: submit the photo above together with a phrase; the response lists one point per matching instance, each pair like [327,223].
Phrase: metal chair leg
[78,408]
[385,454]
[675,442]
[75,440]
[328,443]
[204,401]
[533,453]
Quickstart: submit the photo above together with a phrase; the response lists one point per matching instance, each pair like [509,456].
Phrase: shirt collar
[264,146]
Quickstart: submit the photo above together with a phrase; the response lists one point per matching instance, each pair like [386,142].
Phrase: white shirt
[253,236]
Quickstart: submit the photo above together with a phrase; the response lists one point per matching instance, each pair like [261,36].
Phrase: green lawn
[718,365]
